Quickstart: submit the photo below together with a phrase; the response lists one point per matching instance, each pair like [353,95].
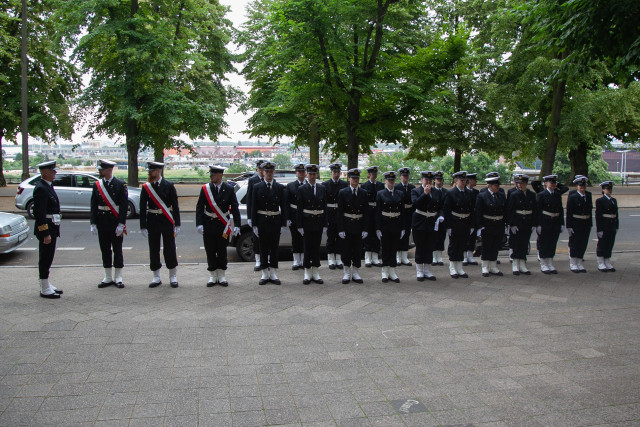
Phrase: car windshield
[85,181]
[62,181]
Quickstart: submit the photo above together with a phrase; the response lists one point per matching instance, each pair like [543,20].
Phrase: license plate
[22,237]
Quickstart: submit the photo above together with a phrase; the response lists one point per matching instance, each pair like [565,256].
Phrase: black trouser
[165,231]
[332,234]
[425,241]
[110,244]
[578,242]
[605,244]
[440,235]
[45,256]
[519,242]
[548,241]
[403,245]
[269,243]
[458,240]
[491,241]
[352,250]
[371,242]
[297,243]
[256,244]
[312,240]
[389,244]
[471,243]
[216,248]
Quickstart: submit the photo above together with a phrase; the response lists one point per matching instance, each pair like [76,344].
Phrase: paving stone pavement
[528,350]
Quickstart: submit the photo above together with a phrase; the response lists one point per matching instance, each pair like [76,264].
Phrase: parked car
[14,232]
[74,191]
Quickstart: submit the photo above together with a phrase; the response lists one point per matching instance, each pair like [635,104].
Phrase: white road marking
[127,248]
[27,249]
[70,249]
[80,220]
[634,215]
[186,220]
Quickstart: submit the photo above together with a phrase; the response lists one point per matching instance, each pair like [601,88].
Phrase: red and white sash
[158,201]
[214,207]
[107,198]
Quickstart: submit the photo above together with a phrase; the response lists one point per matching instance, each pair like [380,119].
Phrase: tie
[215,190]
[269,186]
[314,190]
[354,192]
[493,195]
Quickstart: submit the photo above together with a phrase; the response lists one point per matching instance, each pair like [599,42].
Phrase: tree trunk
[552,136]
[133,145]
[578,160]
[353,139]
[457,160]
[3,182]
[314,142]
[158,156]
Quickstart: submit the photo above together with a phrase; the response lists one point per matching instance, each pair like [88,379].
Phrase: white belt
[55,218]
[494,218]
[293,206]
[459,215]
[524,212]
[313,212]
[551,214]
[427,214]
[582,216]
[54,215]
[372,204]
[391,214]
[332,205]
[157,211]
[353,216]
[269,213]
[106,208]
[614,216]
[408,206]
[212,215]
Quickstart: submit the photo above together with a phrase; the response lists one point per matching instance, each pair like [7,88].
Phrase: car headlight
[5,231]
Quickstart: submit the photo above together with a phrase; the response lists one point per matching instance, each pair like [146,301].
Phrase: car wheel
[244,246]
[131,210]
[30,209]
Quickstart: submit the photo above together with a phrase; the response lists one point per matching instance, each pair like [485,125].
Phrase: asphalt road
[79,247]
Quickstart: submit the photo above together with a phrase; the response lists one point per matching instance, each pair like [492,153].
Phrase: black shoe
[50,296]
[58,291]
[454,276]
[368,265]
[223,284]
[440,263]
[154,284]
[527,273]
[408,264]
[275,281]
[464,276]
[499,273]
[306,281]
[546,272]
[119,285]
[332,266]
[319,281]
[465,263]
[345,281]
[420,279]
[553,271]
[516,273]
[432,278]
[498,262]
[611,270]
[211,284]
[395,280]
[295,267]
[485,274]
[575,271]
[173,284]
[378,264]
[358,280]
[105,284]
[339,266]
[604,270]
[385,280]
[263,282]
[473,263]
[257,268]
[434,263]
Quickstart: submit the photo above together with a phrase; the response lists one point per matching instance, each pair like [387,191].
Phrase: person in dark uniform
[312,222]
[160,220]
[109,205]
[510,191]
[427,208]
[471,244]
[258,177]
[579,222]
[521,221]
[607,224]
[297,245]
[441,232]
[402,256]
[390,225]
[490,213]
[46,210]
[550,223]
[371,242]
[333,186]
[216,200]
[352,220]
[459,222]
[269,213]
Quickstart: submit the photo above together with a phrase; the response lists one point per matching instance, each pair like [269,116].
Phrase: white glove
[94,229]
[479,232]
[379,234]
[570,231]
[365,234]
[514,229]
[282,229]
[324,230]
[200,229]
[144,232]
[255,231]
[507,229]
[249,222]
[176,230]
[236,231]
[561,228]
[533,228]
[288,223]
[402,233]
[539,230]
[301,231]
[471,231]
[438,221]
[600,234]
[342,235]
[119,230]
[448,232]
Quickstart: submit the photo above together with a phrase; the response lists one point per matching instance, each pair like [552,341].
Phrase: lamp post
[23,74]
[624,165]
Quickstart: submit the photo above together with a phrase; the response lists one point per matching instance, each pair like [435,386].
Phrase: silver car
[74,191]
[14,232]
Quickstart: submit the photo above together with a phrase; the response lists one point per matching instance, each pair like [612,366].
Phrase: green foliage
[238,167]
[282,161]
[597,168]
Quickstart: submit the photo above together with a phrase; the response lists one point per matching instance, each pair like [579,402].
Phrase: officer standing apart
[459,222]
[491,210]
[352,219]
[160,219]
[297,245]
[371,242]
[441,232]
[550,223]
[427,206]
[312,222]
[579,222]
[390,225]
[333,186]
[471,244]
[109,205]
[521,221]
[259,177]
[216,200]
[607,224]
[402,256]
[269,209]
[46,210]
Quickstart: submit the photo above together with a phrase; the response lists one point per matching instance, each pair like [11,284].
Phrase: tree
[52,80]
[282,161]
